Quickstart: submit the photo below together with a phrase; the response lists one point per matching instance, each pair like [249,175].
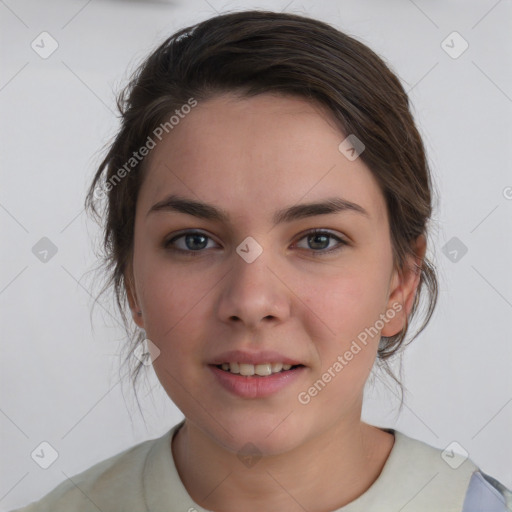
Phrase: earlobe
[404,288]
[132,300]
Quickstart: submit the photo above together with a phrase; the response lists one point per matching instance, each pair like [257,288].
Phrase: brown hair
[255,52]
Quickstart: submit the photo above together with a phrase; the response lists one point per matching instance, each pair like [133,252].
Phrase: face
[237,282]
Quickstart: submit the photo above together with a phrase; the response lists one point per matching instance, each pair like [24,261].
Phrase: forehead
[255,155]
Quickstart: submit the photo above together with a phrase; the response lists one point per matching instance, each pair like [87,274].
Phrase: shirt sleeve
[486,494]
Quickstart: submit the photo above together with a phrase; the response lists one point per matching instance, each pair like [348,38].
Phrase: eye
[189,242]
[193,242]
[318,240]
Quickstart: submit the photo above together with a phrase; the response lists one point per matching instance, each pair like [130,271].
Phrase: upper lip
[265,356]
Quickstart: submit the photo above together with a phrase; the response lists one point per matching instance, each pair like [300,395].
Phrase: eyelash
[322,252]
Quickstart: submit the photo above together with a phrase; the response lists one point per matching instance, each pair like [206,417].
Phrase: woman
[267,201]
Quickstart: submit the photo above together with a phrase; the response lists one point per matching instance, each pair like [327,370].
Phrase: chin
[264,434]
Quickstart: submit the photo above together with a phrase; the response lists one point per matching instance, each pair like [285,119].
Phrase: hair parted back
[254,52]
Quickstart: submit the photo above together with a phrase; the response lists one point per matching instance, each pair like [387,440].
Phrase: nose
[254,294]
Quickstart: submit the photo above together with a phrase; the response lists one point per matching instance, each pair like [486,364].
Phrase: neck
[325,473]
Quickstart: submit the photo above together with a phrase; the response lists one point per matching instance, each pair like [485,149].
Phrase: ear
[403,287]
[131,294]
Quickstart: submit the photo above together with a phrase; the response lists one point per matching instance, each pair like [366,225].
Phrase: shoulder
[486,493]
[445,473]
[109,483]
[430,479]
[450,477]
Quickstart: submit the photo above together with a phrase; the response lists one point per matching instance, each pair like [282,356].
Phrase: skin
[252,157]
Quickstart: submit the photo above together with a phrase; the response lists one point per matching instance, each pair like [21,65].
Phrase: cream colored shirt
[415,478]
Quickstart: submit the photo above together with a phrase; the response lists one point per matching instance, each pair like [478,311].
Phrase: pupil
[194,237]
[322,243]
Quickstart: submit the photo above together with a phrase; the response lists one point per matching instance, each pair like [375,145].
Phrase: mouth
[258,370]
[249,381]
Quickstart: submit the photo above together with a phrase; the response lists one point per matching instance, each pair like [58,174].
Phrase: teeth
[277,367]
[263,369]
[248,370]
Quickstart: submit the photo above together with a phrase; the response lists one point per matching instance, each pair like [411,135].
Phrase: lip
[261,357]
[255,386]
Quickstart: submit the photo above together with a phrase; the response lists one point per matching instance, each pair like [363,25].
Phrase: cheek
[346,354]
[174,319]
[343,309]
[347,302]
[173,300]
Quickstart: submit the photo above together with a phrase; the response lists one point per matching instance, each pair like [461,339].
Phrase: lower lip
[255,386]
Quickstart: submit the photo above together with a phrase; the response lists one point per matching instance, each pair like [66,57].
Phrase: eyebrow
[175,203]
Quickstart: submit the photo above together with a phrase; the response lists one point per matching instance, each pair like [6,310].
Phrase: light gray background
[59,375]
